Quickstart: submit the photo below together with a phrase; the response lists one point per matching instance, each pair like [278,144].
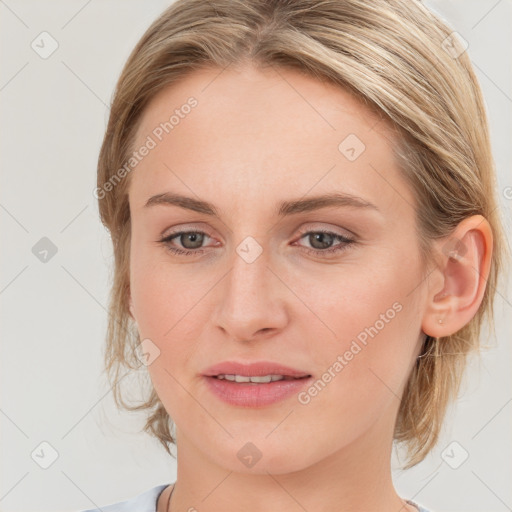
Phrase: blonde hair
[395,57]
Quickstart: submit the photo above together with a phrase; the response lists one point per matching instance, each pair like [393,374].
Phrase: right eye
[195,238]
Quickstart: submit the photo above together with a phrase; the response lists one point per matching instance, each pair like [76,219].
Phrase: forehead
[263,132]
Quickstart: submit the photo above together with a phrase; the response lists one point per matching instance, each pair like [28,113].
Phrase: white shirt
[147,500]
[143,502]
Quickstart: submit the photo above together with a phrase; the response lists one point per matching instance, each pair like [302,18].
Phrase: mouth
[255,385]
[254,379]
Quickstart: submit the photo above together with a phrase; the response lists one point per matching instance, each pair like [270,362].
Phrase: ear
[458,284]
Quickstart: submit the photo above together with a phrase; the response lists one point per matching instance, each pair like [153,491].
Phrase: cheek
[365,326]
[166,305]
[343,301]
[162,294]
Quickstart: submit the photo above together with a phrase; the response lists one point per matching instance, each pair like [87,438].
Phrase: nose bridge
[249,274]
[250,301]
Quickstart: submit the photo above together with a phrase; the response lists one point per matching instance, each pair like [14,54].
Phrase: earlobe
[465,259]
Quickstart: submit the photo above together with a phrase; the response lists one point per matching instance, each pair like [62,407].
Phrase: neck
[355,477]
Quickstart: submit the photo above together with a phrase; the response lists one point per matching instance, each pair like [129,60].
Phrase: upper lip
[254,369]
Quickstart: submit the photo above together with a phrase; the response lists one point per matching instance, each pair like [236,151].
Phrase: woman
[306,237]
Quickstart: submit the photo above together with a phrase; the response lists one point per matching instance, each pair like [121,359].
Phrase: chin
[263,456]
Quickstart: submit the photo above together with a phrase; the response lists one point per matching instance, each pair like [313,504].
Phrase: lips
[254,369]
[240,393]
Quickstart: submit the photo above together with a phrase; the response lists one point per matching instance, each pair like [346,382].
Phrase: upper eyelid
[347,233]
[318,226]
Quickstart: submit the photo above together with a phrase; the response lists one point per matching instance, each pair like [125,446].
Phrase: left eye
[192,241]
[322,238]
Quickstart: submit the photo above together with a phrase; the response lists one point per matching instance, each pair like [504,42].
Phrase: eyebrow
[285,208]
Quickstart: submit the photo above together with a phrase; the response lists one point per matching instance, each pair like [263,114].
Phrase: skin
[258,137]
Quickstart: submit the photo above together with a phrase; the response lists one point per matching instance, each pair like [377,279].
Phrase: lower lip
[247,394]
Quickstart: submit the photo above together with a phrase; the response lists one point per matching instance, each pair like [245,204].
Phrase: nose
[251,299]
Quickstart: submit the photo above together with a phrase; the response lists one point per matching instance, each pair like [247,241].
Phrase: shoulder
[143,502]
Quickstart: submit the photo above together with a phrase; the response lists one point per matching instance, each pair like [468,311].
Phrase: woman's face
[260,281]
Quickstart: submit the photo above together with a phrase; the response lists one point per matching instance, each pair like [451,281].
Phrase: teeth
[242,378]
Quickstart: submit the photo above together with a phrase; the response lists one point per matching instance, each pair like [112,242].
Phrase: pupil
[193,237]
[319,237]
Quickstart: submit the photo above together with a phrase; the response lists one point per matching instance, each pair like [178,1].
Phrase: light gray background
[53,314]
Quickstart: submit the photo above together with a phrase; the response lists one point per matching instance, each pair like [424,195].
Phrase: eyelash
[346,242]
